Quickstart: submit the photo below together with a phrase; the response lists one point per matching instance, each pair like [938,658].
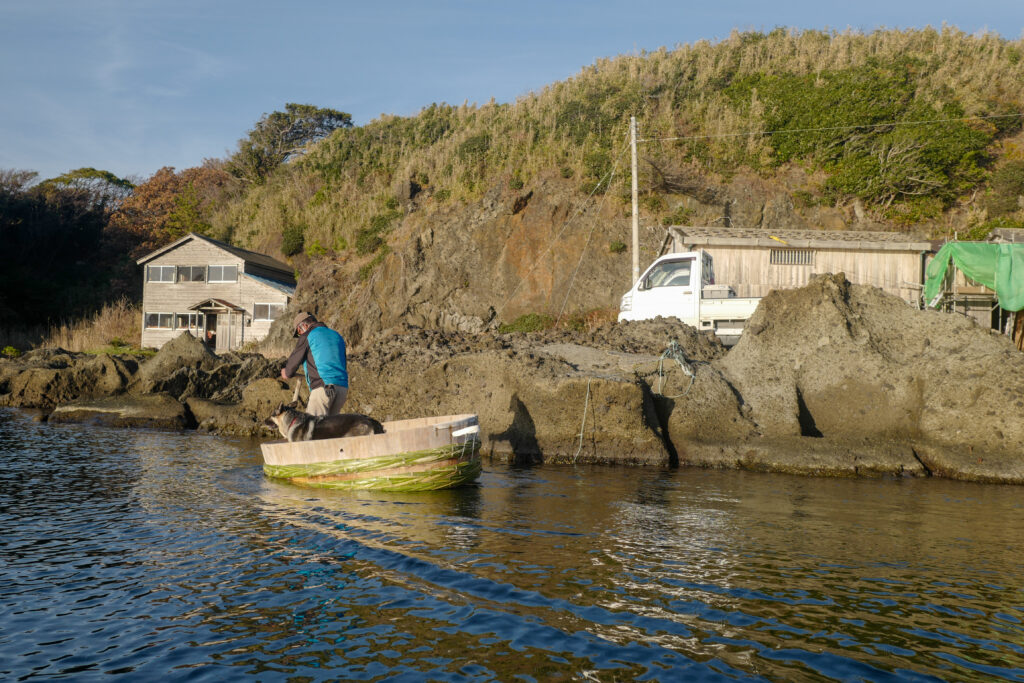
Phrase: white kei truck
[683,285]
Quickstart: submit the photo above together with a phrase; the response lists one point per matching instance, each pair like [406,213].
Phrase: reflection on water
[169,555]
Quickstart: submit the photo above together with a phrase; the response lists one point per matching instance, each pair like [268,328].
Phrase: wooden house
[754,262]
[220,293]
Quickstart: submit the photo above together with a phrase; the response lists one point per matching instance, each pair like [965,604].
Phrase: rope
[675,352]
[586,404]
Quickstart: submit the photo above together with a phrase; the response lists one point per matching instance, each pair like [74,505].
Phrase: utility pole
[636,205]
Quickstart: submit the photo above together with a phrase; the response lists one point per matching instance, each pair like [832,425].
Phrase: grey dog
[296,425]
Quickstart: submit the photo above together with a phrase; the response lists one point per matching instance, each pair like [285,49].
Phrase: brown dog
[296,425]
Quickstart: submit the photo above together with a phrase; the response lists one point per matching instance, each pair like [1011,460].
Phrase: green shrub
[980,232]
[475,147]
[340,244]
[443,195]
[566,171]
[1006,189]
[316,249]
[531,322]
[371,238]
[652,202]
[367,268]
[681,216]
[616,247]
[293,239]
[9,352]
[516,182]
[915,211]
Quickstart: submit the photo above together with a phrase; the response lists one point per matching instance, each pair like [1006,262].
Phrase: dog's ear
[278,410]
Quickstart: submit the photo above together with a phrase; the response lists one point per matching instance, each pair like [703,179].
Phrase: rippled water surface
[169,556]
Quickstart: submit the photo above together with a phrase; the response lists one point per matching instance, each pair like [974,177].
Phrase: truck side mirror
[643,285]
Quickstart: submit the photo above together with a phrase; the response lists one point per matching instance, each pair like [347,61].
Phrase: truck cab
[682,285]
[670,286]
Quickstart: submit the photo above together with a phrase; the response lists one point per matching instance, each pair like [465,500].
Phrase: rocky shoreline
[832,379]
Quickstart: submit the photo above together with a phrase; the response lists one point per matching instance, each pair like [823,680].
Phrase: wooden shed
[222,294]
[754,262]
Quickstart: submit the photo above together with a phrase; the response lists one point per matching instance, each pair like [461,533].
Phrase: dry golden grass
[116,325]
[337,188]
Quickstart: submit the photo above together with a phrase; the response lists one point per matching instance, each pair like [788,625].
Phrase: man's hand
[284,376]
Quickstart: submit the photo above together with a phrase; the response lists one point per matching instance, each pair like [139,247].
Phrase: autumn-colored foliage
[168,206]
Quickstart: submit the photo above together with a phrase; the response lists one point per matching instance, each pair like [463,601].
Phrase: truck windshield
[670,274]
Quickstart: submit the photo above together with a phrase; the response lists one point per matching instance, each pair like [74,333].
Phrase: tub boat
[422,454]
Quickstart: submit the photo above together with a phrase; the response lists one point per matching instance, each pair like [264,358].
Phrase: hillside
[463,216]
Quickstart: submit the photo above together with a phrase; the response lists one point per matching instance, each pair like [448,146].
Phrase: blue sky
[132,85]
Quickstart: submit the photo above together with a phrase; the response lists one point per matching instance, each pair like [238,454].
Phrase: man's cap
[302,317]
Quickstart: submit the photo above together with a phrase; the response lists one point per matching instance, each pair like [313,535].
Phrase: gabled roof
[216,304]
[806,239]
[248,256]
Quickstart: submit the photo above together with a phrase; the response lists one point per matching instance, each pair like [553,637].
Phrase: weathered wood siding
[748,269]
[177,297]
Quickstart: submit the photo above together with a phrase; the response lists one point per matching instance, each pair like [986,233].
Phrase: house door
[225,332]
[210,337]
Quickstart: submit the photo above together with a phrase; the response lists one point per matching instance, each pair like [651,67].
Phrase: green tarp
[999,267]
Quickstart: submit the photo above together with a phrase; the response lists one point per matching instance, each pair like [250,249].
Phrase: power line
[831,128]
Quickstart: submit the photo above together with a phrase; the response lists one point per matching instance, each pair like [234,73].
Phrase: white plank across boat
[424,453]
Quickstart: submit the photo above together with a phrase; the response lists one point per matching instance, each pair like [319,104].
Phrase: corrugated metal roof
[834,239]
[279,286]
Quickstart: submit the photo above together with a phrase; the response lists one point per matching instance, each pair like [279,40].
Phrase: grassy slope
[342,195]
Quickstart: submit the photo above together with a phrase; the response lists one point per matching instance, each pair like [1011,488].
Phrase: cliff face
[541,249]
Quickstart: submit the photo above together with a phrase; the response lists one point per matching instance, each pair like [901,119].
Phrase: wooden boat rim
[400,436]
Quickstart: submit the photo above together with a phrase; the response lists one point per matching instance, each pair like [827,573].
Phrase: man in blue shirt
[321,353]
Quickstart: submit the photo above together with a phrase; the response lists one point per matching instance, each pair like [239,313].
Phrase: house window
[189,321]
[223,274]
[267,311]
[191,273]
[791,257]
[159,321]
[160,274]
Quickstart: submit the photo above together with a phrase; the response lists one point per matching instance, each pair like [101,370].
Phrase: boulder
[851,365]
[174,360]
[159,411]
[226,418]
[45,379]
[260,397]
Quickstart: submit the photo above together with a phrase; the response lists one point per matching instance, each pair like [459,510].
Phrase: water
[168,556]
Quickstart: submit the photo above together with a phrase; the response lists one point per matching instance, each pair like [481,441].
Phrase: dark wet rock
[45,379]
[159,411]
[226,418]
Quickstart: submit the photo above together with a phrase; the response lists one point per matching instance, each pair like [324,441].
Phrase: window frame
[209,272]
[162,269]
[663,266]
[190,270]
[158,326]
[269,304]
[200,321]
